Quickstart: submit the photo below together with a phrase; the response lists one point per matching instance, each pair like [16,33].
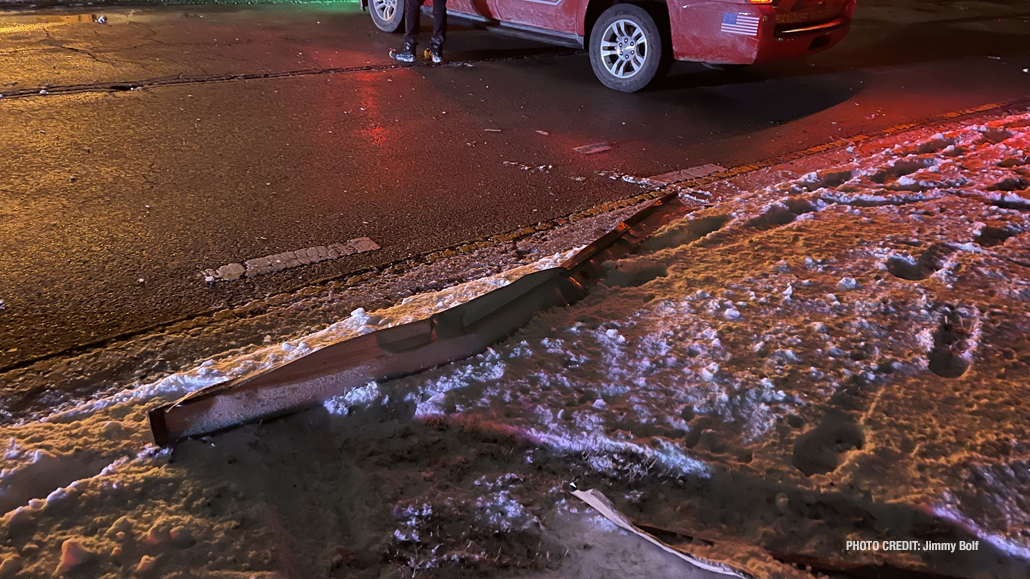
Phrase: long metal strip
[448,336]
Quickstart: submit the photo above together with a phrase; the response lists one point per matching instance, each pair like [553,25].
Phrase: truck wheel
[387,14]
[626,48]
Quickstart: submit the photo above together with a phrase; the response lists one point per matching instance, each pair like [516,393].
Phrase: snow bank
[846,335]
[103,448]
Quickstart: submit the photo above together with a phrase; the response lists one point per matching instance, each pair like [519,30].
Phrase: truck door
[553,15]
[488,9]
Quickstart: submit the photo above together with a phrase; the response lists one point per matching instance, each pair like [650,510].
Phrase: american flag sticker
[733,23]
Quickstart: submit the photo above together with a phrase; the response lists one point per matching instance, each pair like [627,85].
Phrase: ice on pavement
[841,356]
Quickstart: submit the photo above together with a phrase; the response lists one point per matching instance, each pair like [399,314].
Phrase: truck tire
[627,50]
[388,15]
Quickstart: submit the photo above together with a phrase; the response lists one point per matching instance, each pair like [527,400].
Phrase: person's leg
[411,25]
[439,30]
[412,17]
[439,22]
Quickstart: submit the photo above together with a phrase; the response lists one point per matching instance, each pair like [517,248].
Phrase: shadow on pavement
[435,475]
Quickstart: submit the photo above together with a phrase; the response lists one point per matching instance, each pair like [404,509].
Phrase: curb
[459,332]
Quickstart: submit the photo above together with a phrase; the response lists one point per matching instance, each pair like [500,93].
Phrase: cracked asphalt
[137,153]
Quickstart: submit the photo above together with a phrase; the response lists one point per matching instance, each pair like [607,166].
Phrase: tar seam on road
[359,276]
[122,86]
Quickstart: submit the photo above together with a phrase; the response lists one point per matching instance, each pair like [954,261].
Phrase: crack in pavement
[54,43]
[182,79]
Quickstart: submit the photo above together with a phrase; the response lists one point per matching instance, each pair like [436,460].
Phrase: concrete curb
[445,337]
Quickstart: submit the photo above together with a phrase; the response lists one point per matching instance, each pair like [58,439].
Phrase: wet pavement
[175,140]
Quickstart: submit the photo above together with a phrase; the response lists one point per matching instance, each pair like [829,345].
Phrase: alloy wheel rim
[624,48]
[385,8]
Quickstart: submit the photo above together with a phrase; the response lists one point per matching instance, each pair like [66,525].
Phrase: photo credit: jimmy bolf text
[941,546]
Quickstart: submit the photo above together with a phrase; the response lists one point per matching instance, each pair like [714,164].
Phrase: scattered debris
[492,130]
[692,194]
[544,133]
[102,20]
[43,92]
[616,176]
[594,148]
[541,168]
[602,505]
[3,305]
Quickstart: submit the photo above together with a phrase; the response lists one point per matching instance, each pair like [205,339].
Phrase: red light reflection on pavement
[371,87]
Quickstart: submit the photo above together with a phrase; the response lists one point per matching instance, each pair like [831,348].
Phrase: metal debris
[594,148]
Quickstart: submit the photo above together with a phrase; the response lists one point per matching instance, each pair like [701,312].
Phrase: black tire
[628,70]
[388,15]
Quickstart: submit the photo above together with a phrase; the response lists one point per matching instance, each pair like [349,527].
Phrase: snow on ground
[840,356]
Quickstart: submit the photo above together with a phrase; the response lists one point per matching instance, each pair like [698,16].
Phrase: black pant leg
[439,22]
[412,14]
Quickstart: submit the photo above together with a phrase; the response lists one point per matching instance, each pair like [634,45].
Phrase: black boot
[436,52]
[406,54]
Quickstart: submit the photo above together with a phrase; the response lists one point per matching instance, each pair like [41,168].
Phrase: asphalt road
[112,201]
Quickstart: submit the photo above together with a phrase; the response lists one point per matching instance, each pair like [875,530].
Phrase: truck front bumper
[780,43]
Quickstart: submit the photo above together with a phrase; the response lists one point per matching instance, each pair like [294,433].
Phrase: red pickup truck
[632,43]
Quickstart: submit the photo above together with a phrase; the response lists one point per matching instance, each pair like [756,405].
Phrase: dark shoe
[436,53]
[406,54]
